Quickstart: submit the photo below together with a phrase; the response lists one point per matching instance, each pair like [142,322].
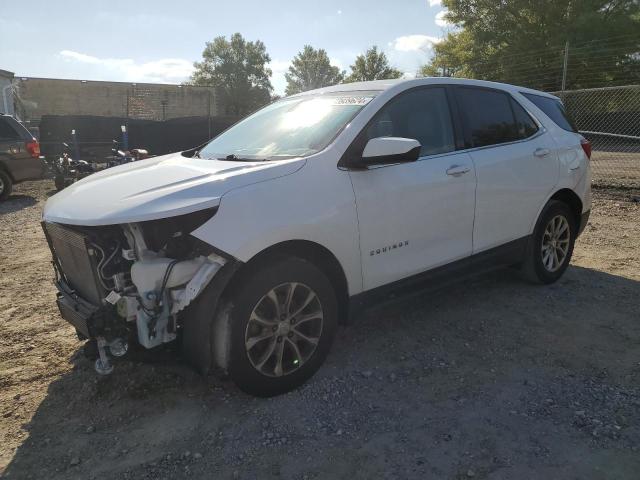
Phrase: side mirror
[390,150]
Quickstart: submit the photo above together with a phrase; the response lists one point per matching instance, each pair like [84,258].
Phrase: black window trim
[456,126]
[467,139]
[526,112]
[16,138]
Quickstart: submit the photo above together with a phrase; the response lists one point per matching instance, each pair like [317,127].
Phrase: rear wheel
[551,246]
[283,319]
[59,182]
[5,185]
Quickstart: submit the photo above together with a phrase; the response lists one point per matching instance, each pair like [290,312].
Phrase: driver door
[419,215]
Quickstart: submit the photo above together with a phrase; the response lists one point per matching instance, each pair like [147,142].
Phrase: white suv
[252,249]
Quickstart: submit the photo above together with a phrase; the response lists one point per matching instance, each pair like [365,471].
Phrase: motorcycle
[121,157]
[67,170]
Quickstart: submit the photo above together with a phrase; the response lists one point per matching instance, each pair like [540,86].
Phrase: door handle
[541,152]
[457,170]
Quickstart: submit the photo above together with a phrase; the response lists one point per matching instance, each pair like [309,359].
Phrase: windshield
[293,127]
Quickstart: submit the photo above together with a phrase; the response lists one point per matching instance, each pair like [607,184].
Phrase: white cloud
[435,3]
[441,21]
[80,57]
[165,70]
[279,68]
[336,63]
[413,43]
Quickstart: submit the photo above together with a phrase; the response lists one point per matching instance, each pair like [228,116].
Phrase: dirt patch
[490,378]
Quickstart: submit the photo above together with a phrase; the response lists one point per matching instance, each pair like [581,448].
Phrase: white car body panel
[426,223]
[317,206]
[574,171]
[156,188]
[511,179]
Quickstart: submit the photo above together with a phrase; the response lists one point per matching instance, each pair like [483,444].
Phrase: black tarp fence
[95,134]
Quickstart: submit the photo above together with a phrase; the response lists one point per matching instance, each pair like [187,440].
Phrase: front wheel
[283,319]
[551,245]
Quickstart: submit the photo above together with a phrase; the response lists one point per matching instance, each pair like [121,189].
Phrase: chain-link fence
[610,119]
[599,82]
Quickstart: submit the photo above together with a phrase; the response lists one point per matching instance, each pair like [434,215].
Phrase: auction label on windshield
[351,100]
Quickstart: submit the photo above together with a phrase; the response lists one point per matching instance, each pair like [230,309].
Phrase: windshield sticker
[351,100]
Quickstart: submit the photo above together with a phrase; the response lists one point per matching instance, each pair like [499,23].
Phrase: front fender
[204,326]
[315,204]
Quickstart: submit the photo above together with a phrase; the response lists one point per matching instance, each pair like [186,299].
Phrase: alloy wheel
[284,329]
[555,243]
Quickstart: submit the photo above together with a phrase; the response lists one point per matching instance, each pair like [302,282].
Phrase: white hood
[156,188]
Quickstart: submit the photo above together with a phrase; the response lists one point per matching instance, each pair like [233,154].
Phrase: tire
[59,182]
[543,267]
[258,339]
[6,185]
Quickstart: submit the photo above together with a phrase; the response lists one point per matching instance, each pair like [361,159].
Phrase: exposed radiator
[78,264]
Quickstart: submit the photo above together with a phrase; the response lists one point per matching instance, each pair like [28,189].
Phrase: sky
[158,41]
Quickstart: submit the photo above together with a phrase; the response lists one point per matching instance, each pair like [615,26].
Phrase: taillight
[33,147]
[586,146]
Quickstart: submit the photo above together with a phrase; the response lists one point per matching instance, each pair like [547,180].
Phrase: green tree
[372,65]
[451,57]
[238,69]
[520,41]
[311,69]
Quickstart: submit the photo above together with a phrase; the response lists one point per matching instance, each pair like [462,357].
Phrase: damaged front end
[130,282]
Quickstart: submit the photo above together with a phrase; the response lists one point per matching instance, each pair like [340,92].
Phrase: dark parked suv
[19,155]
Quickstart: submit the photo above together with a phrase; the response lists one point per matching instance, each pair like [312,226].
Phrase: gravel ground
[489,378]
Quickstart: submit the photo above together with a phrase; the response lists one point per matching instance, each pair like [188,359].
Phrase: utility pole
[564,67]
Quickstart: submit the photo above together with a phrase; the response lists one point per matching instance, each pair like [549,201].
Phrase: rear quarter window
[487,115]
[14,129]
[552,108]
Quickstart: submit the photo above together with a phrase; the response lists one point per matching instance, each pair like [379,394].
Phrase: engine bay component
[130,281]
[118,347]
[156,279]
[103,366]
[182,298]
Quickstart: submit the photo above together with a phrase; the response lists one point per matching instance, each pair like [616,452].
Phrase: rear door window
[7,132]
[553,108]
[487,116]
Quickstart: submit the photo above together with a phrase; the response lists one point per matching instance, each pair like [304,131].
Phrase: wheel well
[4,168]
[570,198]
[314,253]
